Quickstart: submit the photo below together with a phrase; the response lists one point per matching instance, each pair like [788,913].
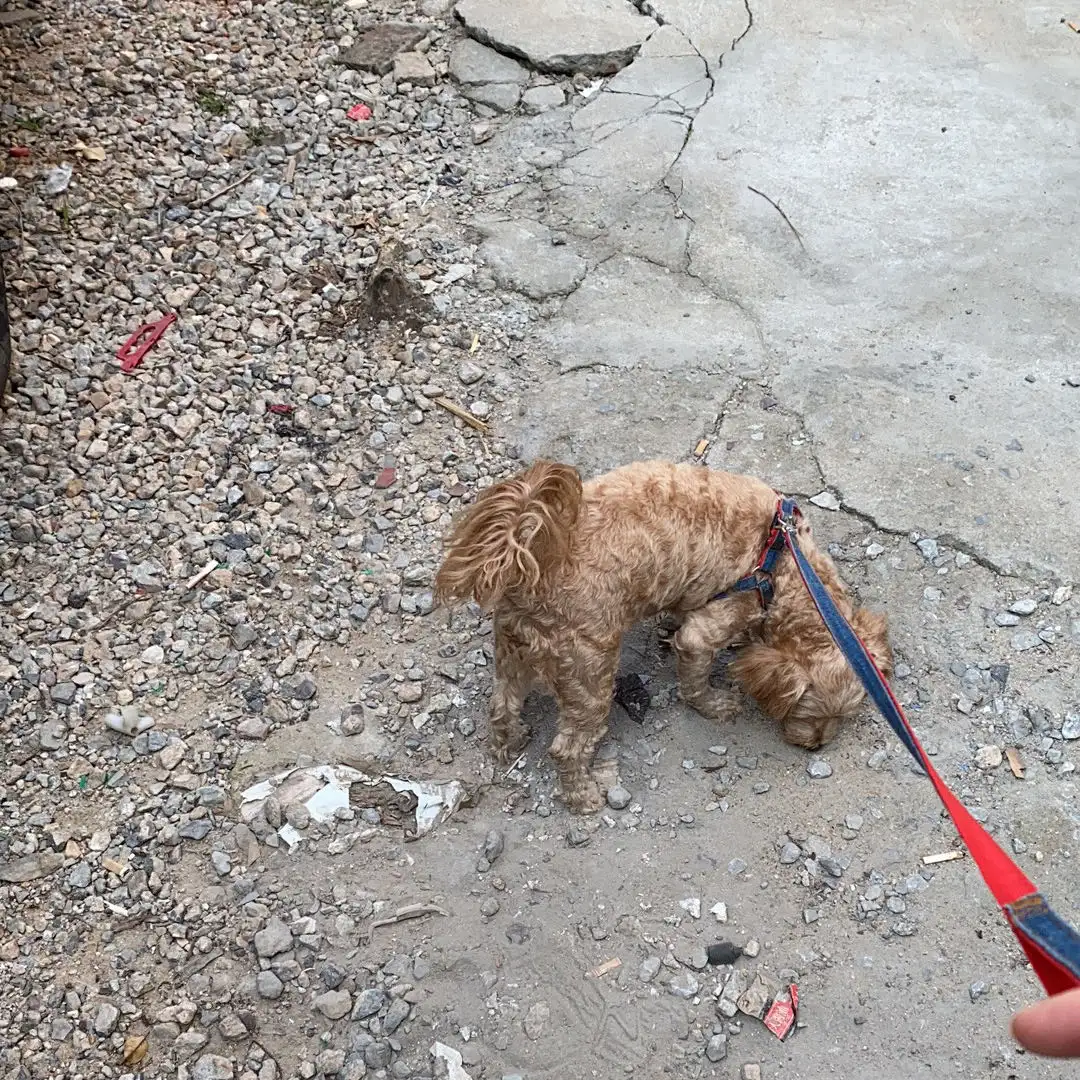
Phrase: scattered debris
[724,952]
[632,694]
[607,966]
[405,914]
[200,576]
[359,111]
[57,179]
[463,414]
[782,1014]
[129,721]
[131,353]
[702,448]
[719,909]
[944,856]
[135,1050]
[452,1060]
[1016,762]
[692,906]
[324,790]
[826,500]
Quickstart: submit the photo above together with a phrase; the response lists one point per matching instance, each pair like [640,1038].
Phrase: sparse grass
[213,103]
[29,124]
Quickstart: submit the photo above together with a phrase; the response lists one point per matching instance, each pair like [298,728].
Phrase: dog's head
[810,692]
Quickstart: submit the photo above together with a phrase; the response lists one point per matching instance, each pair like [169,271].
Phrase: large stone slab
[522,256]
[486,76]
[596,37]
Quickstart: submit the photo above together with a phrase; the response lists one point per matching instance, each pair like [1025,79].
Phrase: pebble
[790,853]
[650,968]
[988,757]
[1026,605]
[618,798]
[273,939]
[106,1019]
[819,769]
[751,1071]
[1024,640]
[977,990]
[684,985]
[213,1067]
[716,1048]
[692,906]
[719,910]
[369,1003]
[736,866]
[333,1004]
[1070,728]
[268,985]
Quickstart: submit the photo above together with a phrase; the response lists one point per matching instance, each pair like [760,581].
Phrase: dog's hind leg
[704,632]
[513,674]
[583,691]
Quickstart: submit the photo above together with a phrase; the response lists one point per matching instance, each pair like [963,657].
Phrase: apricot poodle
[567,568]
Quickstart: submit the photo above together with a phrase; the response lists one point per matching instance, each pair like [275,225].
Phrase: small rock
[751,1071]
[618,798]
[810,915]
[32,867]
[977,989]
[490,907]
[535,1019]
[106,1019]
[396,1015]
[577,836]
[334,1004]
[213,1067]
[723,952]
[752,948]
[819,769]
[268,985]
[368,1003]
[988,757]
[790,853]
[1070,729]
[494,843]
[650,968]
[414,68]
[716,1048]
[469,372]
[684,985]
[1026,605]
[928,547]
[1024,640]
[63,693]
[719,910]
[330,1062]
[692,906]
[273,939]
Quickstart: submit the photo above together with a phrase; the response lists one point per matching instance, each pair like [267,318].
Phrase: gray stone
[268,985]
[618,798]
[31,867]
[474,64]
[213,1067]
[330,1062]
[1024,640]
[502,97]
[540,99]
[595,37]
[396,1015]
[377,1055]
[375,48]
[1026,605]
[684,985]
[789,853]
[716,1048]
[368,1003]
[650,968]
[272,939]
[522,257]
[333,1004]
[1070,729]
[63,693]
[106,1019]
[244,636]
[414,68]
[819,769]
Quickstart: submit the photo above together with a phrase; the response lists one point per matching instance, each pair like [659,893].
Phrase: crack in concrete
[749,23]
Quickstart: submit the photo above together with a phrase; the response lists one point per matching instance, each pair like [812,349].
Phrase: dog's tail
[514,537]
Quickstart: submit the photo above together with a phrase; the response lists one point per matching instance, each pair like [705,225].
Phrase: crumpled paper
[324,789]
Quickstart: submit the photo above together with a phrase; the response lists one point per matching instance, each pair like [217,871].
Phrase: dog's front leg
[583,691]
[703,633]
[513,673]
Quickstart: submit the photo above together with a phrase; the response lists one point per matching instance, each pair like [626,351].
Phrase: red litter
[279,410]
[385,478]
[359,111]
[19,151]
[131,353]
[780,1018]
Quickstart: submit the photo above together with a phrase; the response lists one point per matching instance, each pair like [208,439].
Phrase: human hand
[1051,1027]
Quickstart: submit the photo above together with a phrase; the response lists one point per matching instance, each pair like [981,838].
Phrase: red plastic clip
[130,354]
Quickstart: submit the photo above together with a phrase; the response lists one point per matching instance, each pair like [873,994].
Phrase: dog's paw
[715,705]
[585,797]
[508,742]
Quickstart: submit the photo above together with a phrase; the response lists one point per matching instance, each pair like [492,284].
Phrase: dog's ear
[770,678]
[873,628]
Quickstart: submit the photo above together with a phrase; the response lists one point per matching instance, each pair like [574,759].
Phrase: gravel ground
[217,566]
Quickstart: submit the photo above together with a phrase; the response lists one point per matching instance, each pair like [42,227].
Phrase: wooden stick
[463,414]
[945,856]
[223,191]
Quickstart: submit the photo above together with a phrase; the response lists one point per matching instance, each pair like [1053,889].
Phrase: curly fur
[568,568]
